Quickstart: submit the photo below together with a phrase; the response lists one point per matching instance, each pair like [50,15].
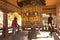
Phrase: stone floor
[24,36]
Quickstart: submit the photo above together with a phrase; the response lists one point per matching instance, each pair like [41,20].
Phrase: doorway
[10,19]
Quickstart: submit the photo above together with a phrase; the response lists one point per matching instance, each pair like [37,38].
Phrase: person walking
[14,25]
[50,19]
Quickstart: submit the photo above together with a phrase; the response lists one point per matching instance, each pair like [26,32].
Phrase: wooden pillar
[5,25]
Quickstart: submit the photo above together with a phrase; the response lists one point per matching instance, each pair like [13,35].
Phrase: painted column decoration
[5,25]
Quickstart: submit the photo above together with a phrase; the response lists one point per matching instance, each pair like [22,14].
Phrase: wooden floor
[24,36]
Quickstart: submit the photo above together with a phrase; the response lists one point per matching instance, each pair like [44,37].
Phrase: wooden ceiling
[48,2]
[14,7]
[51,2]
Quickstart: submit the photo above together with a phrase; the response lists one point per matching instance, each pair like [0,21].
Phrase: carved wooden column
[5,25]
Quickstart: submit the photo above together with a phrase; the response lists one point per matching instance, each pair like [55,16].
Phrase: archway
[11,17]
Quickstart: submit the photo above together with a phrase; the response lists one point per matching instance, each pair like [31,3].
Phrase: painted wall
[58,15]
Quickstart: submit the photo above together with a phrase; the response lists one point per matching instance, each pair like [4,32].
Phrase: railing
[9,30]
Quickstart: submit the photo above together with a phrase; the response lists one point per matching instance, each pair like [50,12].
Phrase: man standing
[50,24]
[50,20]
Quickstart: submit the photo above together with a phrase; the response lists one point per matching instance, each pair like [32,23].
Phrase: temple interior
[32,18]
